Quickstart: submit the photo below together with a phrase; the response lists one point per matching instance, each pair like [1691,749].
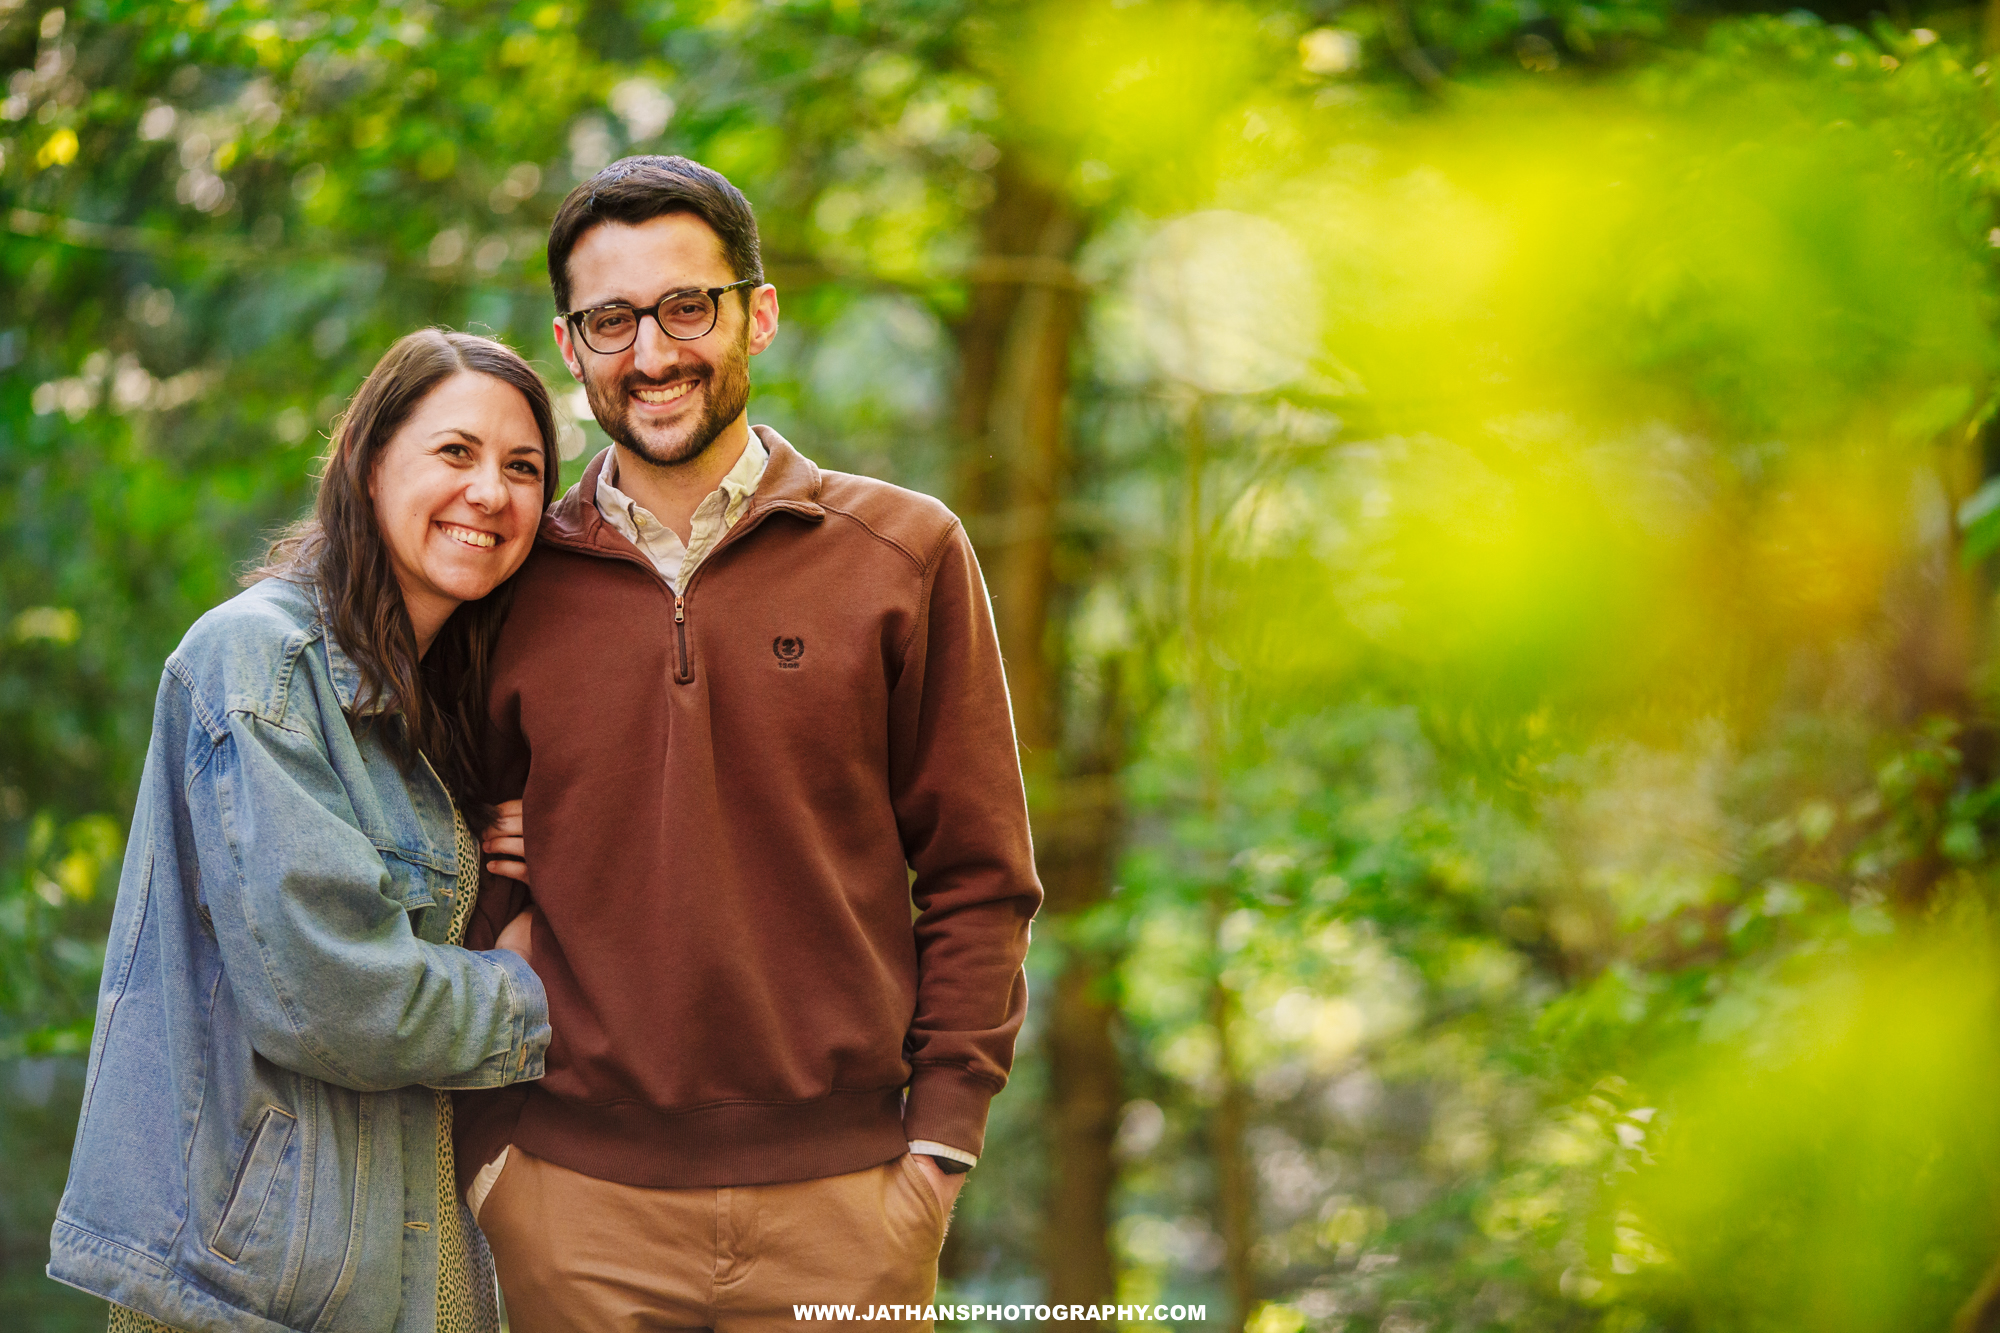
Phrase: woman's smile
[470,536]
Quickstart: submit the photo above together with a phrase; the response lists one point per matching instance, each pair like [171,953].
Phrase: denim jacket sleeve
[322,960]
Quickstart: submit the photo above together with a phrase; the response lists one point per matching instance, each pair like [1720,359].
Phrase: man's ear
[763,317]
[568,355]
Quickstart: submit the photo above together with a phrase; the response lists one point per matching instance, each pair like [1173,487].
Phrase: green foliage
[1557,630]
[1837,1173]
[1567,807]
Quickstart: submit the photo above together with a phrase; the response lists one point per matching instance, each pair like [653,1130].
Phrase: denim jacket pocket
[413,879]
[254,1176]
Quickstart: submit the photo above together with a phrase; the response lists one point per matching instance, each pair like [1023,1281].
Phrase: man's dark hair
[636,189]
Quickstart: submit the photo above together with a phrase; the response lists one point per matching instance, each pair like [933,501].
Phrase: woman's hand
[518,936]
[504,840]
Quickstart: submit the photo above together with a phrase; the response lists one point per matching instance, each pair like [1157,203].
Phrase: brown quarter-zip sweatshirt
[733,797]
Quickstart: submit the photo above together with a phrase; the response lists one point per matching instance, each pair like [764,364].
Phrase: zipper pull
[681,672]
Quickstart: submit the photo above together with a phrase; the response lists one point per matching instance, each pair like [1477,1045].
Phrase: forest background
[1490,506]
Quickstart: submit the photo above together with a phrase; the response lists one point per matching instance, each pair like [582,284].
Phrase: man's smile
[662,396]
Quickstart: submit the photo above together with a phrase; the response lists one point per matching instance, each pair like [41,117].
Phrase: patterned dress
[466,1298]
[466,1301]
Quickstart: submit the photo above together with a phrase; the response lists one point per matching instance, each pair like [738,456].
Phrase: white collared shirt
[713,517]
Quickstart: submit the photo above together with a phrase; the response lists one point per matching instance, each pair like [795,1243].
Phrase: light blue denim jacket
[256,1149]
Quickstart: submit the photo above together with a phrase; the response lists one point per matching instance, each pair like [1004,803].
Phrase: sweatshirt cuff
[947,1105]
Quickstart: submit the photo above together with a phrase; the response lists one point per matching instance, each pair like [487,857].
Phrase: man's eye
[612,319]
[689,310]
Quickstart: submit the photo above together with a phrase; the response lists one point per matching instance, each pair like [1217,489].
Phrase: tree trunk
[1084,1096]
[1014,370]
[1235,1188]
[1025,425]
[1080,840]
[1974,462]
[1981,1312]
[1011,229]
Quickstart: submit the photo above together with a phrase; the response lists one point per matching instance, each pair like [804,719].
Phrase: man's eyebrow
[635,301]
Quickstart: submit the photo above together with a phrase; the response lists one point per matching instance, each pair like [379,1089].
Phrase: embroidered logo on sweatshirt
[789,651]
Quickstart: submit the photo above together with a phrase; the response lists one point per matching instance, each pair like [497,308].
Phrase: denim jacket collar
[340,667]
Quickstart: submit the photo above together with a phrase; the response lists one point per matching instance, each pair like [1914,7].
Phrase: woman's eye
[456,451]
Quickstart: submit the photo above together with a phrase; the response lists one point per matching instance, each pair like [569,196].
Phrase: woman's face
[458,494]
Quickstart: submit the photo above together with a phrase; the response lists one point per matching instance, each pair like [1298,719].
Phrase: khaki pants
[577,1253]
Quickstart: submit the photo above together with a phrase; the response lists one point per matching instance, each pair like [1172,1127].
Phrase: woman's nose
[486,489]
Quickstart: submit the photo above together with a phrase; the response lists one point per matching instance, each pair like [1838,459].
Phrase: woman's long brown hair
[440,698]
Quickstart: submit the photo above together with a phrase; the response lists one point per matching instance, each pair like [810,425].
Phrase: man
[755,711]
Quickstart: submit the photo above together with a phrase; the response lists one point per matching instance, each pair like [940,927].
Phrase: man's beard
[725,390]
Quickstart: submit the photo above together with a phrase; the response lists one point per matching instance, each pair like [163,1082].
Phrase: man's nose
[654,354]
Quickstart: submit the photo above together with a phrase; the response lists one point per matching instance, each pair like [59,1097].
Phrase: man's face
[665,400]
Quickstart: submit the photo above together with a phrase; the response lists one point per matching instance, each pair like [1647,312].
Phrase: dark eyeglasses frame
[714,295]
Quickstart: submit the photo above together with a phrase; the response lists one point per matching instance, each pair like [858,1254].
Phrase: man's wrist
[952,1161]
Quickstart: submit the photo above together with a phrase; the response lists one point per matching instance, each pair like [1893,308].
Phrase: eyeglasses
[683,316]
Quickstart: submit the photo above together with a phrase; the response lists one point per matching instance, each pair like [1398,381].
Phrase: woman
[262,1142]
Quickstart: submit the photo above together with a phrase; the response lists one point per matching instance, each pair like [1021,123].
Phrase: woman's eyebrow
[459,431]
